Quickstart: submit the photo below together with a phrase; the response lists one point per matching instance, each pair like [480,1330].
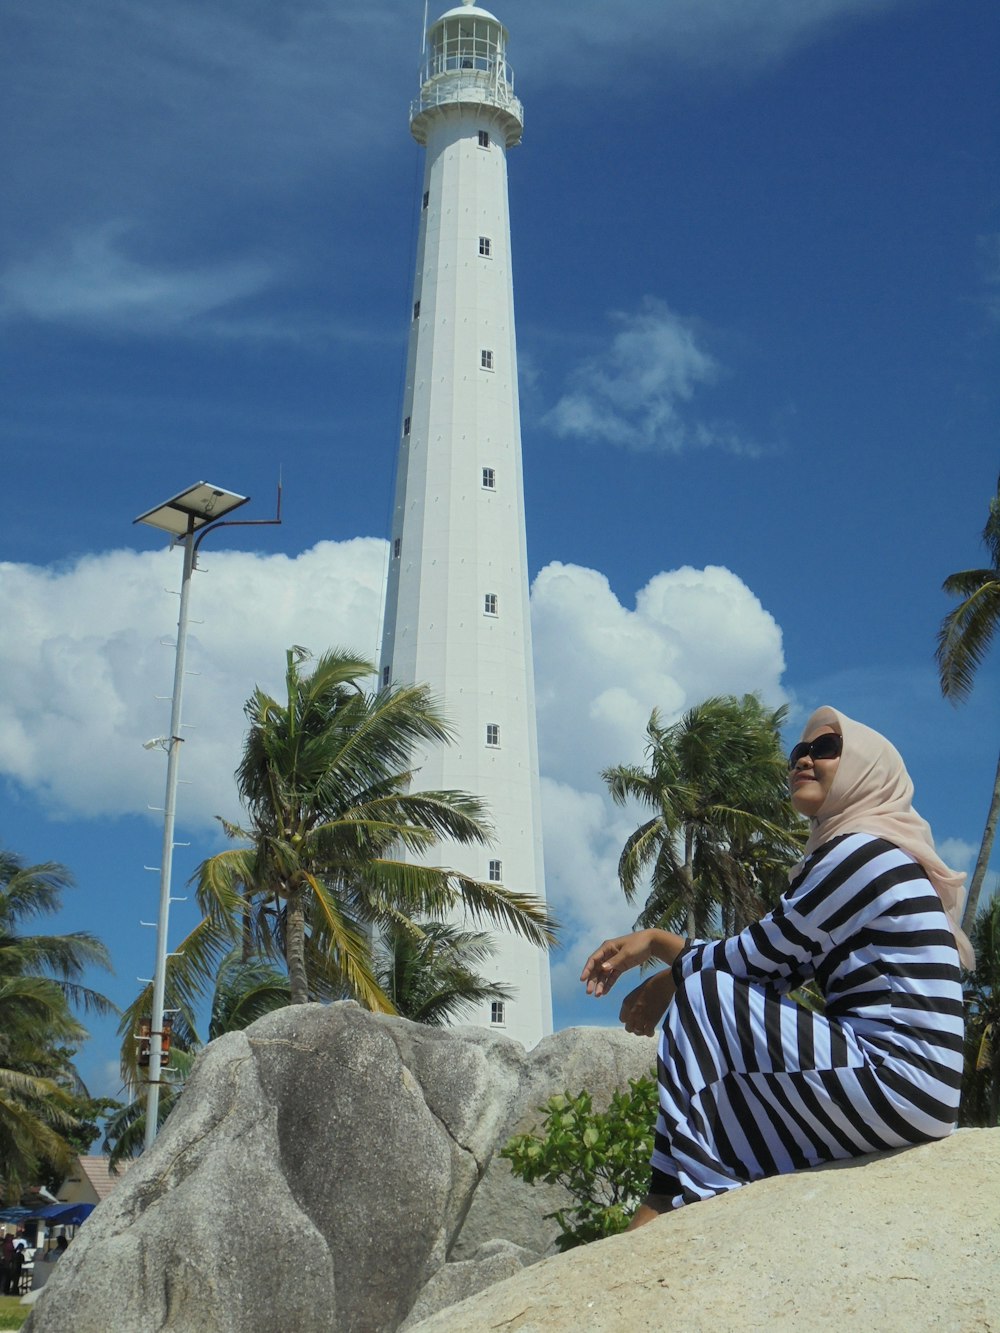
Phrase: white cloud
[187,102]
[637,392]
[744,35]
[584,835]
[199,120]
[961,855]
[78,680]
[600,670]
[957,853]
[90,279]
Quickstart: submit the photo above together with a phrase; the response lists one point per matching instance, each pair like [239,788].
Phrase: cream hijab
[872,793]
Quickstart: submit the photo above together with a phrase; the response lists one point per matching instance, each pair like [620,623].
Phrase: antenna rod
[423,39]
[243,523]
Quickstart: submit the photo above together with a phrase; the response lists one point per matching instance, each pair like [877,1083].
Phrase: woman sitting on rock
[751,1084]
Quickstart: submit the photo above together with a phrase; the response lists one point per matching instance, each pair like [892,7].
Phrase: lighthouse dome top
[466,10]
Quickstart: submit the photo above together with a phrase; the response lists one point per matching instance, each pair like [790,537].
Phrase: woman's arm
[643,1007]
[607,963]
[844,887]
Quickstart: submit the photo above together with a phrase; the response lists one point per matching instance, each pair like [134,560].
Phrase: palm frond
[520,913]
[191,973]
[649,842]
[245,990]
[966,632]
[348,949]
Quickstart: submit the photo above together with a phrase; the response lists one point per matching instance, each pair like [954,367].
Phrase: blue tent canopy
[64,1214]
[54,1214]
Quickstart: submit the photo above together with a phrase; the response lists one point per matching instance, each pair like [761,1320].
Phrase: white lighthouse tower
[457,615]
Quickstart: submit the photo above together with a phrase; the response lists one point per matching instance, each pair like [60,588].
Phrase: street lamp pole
[173,748]
[184,515]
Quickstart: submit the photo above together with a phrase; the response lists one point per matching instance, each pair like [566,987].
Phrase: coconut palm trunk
[688,875]
[983,859]
[295,946]
[963,640]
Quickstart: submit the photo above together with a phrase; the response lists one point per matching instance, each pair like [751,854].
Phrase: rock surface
[906,1241]
[320,1171]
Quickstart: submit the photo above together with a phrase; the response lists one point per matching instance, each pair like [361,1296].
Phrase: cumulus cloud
[637,392]
[584,836]
[79,680]
[600,669]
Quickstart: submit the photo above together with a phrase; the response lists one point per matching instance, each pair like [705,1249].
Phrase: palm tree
[981,1082]
[325,778]
[40,977]
[963,640]
[722,827]
[429,971]
[36,1112]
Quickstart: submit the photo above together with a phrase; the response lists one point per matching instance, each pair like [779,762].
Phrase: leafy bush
[600,1157]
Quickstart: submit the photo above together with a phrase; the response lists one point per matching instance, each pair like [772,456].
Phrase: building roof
[97,1174]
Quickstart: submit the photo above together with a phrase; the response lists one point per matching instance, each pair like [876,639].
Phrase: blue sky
[757,281]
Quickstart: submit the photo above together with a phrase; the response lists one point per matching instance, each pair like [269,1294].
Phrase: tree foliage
[981,1082]
[722,832]
[244,990]
[337,848]
[428,970]
[963,641]
[45,1113]
[335,834]
[600,1157]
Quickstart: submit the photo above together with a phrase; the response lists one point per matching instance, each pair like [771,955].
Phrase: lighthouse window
[489,479]
[485,246]
[484,139]
[486,359]
[490,604]
[416,309]
[385,676]
[496,872]
[397,546]
[497,1014]
[406,425]
[493,733]
[427,198]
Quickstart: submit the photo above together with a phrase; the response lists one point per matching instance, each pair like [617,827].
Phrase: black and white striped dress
[752,1084]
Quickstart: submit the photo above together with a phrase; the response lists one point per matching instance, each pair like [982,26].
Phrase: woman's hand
[606,964]
[643,1007]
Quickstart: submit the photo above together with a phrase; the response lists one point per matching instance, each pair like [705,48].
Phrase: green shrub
[600,1157]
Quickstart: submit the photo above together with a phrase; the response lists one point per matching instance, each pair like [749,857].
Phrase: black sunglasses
[827,746]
